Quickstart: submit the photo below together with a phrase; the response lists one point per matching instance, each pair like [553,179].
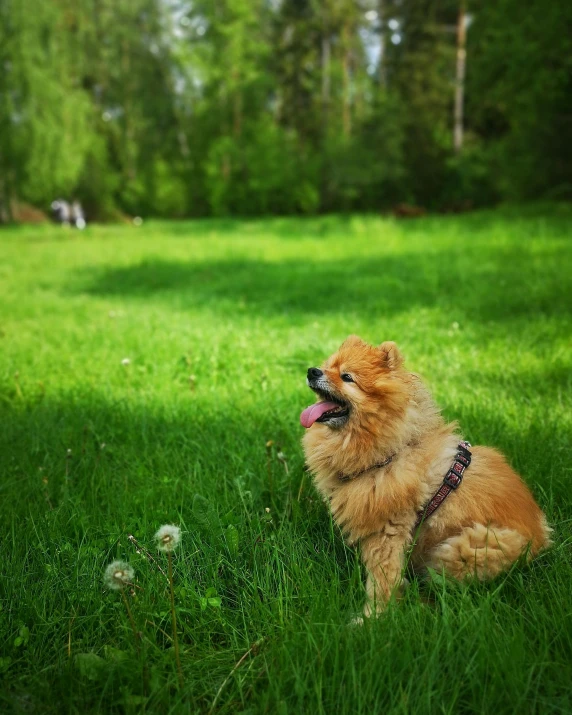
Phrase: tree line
[247,107]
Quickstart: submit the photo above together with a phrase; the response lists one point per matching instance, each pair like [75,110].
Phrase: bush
[262,172]
[469,180]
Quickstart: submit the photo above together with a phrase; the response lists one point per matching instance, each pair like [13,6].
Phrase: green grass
[220,320]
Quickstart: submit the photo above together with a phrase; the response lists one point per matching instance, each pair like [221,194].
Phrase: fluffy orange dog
[380,451]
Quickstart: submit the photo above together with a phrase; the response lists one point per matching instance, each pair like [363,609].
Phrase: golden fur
[479,530]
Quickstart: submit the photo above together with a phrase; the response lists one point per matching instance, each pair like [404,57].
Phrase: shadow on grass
[493,285]
[290,581]
[115,456]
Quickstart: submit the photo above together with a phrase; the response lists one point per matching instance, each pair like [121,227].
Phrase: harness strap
[452,481]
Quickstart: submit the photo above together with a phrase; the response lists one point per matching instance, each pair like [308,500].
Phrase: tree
[520,84]
[197,107]
[420,70]
[43,113]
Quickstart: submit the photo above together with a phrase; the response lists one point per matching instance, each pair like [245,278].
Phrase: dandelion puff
[126,361]
[118,575]
[167,538]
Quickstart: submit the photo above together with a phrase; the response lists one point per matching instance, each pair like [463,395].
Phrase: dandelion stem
[136,636]
[142,550]
[70,633]
[251,651]
[131,621]
[301,486]
[269,466]
[174,620]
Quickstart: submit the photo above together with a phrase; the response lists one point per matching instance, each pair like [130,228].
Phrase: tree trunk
[460,78]
[346,107]
[236,104]
[382,37]
[325,82]
[5,199]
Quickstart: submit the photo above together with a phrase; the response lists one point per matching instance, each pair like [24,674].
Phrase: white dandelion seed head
[126,361]
[168,538]
[118,574]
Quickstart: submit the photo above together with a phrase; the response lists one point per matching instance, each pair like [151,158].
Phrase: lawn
[156,374]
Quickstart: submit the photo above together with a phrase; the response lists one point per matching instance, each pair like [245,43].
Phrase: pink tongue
[314,412]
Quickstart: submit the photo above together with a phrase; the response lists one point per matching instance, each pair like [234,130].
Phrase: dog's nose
[314,373]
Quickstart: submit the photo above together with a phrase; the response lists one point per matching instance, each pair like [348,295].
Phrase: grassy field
[155,375]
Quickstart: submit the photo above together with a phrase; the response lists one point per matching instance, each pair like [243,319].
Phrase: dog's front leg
[383,554]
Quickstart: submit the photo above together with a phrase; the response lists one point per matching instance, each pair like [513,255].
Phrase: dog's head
[360,386]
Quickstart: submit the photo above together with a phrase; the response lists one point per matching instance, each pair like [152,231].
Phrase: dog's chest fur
[383,498]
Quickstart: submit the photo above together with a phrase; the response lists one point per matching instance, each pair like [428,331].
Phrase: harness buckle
[453,480]
[464,447]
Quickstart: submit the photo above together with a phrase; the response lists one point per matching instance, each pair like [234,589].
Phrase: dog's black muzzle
[314,374]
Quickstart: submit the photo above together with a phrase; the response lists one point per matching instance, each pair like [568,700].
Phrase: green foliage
[45,115]
[469,182]
[519,95]
[219,326]
[99,183]
[355,177]
[421,71]
[265,174]
[245,107]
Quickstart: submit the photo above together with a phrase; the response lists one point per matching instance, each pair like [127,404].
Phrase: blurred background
[181,108]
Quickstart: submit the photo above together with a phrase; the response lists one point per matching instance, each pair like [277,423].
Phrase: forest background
[180,108]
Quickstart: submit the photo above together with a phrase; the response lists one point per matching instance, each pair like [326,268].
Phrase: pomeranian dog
[398,479]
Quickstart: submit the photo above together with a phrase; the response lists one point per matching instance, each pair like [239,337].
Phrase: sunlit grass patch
[155,375]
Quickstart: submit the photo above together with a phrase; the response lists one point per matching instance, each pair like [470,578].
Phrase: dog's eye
[346,377]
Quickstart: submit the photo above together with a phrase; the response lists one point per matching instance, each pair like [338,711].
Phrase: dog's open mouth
[329,409]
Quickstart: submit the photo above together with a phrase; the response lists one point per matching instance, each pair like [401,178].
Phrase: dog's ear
[391,358]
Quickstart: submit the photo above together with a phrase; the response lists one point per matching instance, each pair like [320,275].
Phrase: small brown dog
[385,460]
